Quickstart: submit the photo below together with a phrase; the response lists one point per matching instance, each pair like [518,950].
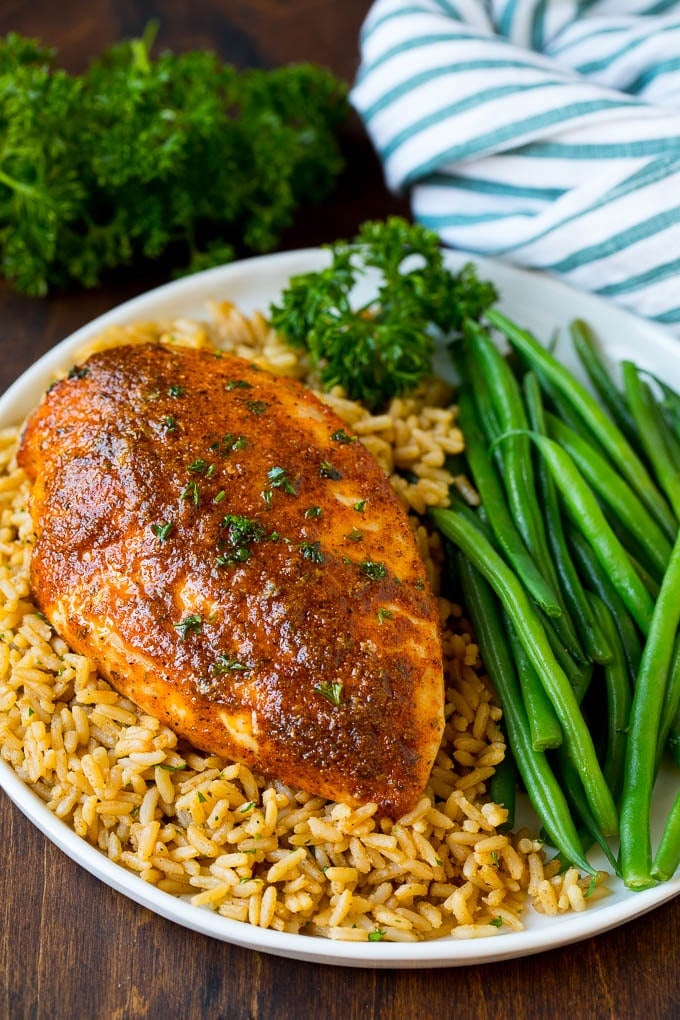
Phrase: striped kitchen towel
[542,132]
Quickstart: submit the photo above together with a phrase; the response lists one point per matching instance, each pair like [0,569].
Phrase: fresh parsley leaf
[190,624]
[330,691]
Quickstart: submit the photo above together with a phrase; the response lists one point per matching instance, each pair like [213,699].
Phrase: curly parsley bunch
[383,347]
[179,156]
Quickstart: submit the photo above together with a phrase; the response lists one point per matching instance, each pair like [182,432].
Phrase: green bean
[585,345]
[670,720]
[673,739]
[667,857]
[574,595]
[508,538]
[518,607]
[615,492]
[586,514]
[578,673]
[597,577]
[670,402]
[644,412]
[486,415]
[618,700]
[503,788]
[519,476]
[644,728]
[599,423]
[571,784]
[540,783]
[546,732]
[666,430]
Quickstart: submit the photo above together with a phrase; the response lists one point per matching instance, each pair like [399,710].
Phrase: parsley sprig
[142,156]
[384,347]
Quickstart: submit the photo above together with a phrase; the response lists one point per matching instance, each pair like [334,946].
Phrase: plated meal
[226,619]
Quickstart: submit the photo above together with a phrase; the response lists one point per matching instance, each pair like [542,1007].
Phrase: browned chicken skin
[236,564]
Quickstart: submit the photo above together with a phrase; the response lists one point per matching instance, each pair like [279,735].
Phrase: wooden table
[72,947]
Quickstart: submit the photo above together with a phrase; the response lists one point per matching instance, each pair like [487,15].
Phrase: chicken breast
[234,561]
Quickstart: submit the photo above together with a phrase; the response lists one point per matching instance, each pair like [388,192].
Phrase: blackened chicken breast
[233,560]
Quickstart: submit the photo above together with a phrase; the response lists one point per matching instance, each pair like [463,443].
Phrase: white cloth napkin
[542,132]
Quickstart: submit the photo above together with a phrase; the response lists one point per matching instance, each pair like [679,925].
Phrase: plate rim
[448,951]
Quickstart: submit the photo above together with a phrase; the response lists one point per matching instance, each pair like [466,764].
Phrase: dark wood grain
[70,946]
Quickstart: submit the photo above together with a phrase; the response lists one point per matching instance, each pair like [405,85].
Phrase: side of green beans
[582,501]
[529,630]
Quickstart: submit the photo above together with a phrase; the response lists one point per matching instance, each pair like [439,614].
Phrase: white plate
[536,302]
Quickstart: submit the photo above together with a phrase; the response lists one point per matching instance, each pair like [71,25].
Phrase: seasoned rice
[251,848]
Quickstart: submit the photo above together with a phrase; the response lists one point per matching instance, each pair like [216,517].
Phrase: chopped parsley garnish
[311,551]
[172,768]
[313,511]
[340,436]
[219,496]
[360,506]
[189,625]
[497,922]
[161,531]
[384,614]
[228,664]
[267,496]
[191,493]
[237,384]
[248,806]
[331,692]
[169,423]
[202,798]
[373,570]
[199,466]
[241,532]
[326,470]
[377,935]
[176,391]
[227,443]
[355,535]
[278,479]
[78,372]
[256,406]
